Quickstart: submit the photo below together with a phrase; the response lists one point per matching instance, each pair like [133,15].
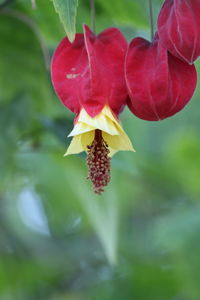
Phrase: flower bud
[159,84]
[179,28]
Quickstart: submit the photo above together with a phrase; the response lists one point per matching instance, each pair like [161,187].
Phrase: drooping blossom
[88,77]
[179,28]
[159,84]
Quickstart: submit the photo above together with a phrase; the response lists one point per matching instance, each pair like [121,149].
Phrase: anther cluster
[98,163]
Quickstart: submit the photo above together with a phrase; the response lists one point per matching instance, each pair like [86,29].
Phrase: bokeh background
[58,241]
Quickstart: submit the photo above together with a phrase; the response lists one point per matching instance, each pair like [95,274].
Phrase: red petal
[159,84]
[69,64]
[179,28]
[106,54]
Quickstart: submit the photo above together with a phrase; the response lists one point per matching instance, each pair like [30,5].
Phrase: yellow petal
[87,139]
[112,132]
[119,142]
[80,128]
[80,142]
[101,122]
[75,146]
[112,152]
[107,112]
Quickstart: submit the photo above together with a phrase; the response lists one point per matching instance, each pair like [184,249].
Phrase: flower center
[98,163]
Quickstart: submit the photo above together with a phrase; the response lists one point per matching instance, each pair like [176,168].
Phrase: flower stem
[93,15]
[151,19]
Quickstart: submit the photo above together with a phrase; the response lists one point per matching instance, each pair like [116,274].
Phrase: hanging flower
[159,84]
[88,77]
[179,28]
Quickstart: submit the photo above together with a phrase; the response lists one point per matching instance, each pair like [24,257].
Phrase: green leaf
[67,10]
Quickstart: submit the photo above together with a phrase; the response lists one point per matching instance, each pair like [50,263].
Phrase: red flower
[179,28]
[88,77]
[159,84]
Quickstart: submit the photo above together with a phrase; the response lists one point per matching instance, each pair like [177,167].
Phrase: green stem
[93,15]
[151,19]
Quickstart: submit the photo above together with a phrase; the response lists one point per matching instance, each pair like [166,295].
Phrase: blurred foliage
[58,241]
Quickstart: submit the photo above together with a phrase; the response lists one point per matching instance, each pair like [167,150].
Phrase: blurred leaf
[125,12]
[15,123]
[23,69]
[67,10]
[183,156]
[174,231]
[102,212]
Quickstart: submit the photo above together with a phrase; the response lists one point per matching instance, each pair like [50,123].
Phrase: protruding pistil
[98,163]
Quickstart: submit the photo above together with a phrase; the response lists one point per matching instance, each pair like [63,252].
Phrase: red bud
[179,28]
[159,84]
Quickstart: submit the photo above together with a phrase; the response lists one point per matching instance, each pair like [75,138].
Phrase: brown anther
[98,163]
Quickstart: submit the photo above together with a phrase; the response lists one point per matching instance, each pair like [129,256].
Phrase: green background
[58,241]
